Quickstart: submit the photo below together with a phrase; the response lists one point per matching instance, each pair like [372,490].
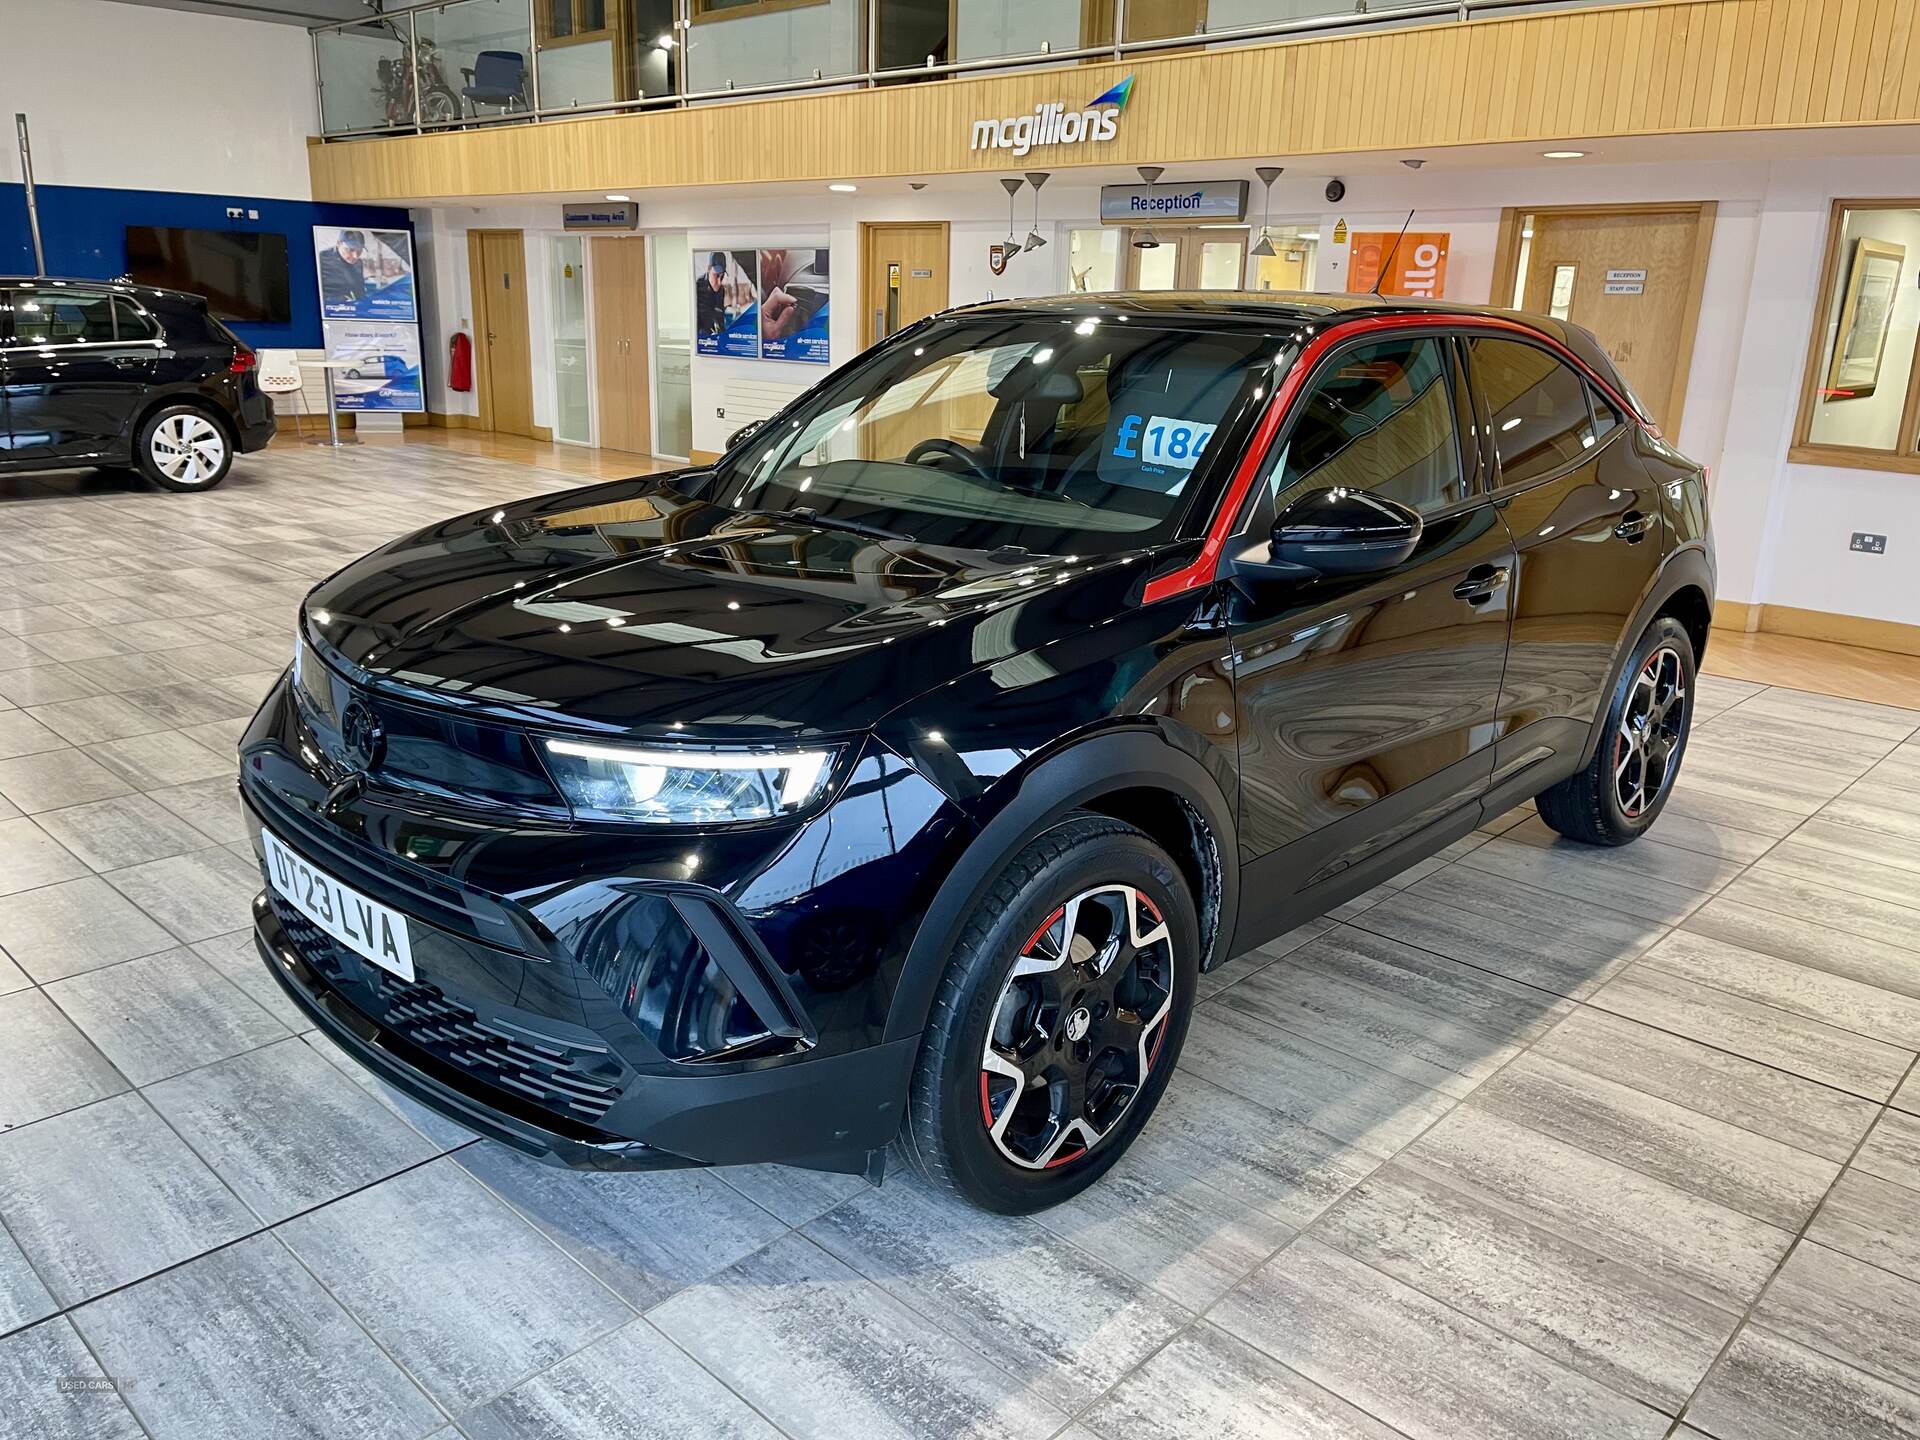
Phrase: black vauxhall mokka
[886,786]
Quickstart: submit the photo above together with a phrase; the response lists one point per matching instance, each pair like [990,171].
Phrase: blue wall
[85,234]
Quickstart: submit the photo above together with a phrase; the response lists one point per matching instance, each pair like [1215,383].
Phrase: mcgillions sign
[1054,124]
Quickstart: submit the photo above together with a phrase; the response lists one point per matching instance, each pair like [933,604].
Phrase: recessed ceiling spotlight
[620,198]
[1413,164]
[842,188]
[1563,154]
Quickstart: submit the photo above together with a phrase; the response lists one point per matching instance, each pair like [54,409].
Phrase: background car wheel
[1059,1019]
[181,448]
[1626,786]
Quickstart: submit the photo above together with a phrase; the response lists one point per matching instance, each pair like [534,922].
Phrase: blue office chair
[497,77]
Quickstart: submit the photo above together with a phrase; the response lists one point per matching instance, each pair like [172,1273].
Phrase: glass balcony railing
[483,62]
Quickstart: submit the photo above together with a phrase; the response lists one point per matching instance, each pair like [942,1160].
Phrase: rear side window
[1541,422]
[49,317]
[1380,418]
[133,322]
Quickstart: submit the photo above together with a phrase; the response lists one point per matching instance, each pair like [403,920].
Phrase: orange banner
[1418,267]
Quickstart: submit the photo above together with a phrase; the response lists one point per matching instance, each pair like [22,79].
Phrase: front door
[905,276]
[1194,257]
[620,343]
[504,352]
[1366,703]
[1586,519]
[1632,276]
[73,380]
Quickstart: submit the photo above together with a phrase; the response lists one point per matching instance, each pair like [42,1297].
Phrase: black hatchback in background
[887,786]
[116,375]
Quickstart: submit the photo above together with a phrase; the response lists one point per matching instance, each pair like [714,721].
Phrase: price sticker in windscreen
[1173,443]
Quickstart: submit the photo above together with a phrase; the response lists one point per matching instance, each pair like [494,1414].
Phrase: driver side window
[1379,418]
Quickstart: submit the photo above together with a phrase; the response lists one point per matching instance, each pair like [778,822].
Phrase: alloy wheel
[188,449]
[1651,725]
[1078,1027]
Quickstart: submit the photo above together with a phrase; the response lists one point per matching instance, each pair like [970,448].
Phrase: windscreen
[1076,435]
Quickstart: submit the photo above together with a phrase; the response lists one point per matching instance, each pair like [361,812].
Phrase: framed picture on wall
[1866,315]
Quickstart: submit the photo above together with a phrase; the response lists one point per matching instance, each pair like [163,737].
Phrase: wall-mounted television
[243,273]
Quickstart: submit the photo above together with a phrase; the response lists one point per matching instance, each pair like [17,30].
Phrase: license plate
[364,926]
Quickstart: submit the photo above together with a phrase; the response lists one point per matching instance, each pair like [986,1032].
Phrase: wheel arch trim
[1686,567]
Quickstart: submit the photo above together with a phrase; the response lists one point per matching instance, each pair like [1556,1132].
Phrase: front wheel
[1643,737]
[1059,1019]
[181,448]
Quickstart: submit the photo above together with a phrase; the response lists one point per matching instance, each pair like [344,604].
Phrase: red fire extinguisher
[460,362]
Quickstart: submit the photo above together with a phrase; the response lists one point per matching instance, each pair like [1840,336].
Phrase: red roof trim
[1202,570]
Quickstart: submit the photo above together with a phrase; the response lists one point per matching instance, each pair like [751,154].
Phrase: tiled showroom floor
[1546,1142]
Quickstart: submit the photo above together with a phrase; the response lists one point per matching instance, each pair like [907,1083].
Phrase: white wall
[139,98]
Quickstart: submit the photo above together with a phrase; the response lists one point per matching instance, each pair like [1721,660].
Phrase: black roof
[121,286]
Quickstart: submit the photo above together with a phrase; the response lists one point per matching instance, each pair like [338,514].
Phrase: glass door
[670,316]
[572,375]
[1197,257]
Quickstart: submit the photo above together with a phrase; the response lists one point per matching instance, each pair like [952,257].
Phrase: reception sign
[1415,263]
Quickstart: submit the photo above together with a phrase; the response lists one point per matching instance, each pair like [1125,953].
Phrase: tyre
[1626,786]
[439,105]
[183,448]
[1058,1021]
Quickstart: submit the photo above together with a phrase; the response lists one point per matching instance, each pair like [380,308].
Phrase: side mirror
[1345,532]
[745,432]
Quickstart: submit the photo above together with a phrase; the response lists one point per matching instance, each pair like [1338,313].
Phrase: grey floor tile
[236,956]
[174,705]
[825,1354]
[56,778]
[1888,723]
[1164,1228]
[1892,1151]
[1412,1362]
[23,1299]
[125,831]
[1907,1098]
[471,1302]
[1873,1220]
[1760,1032]
[1885,844]
[1845,913]
[1250,1153]
[634,1384]
[1848,1310]
[46,1065]
[163,758]
[12,977]
[1769,1388]
[1711,808]
[33,1363]
[794,1196]
[1206,1383]
[645,1235]
[196,896]
[244,1343]
[1352,1101]
[1610,1321]
[1807,1115]
[1054,1317]
[1485,920]
[30,857]
[211,806]
[1729,844]
[44,684]
[1715,1254]
[22,734]
[1878,963]
[1651,857]
[1232,971]
[1732,777]
[77,925]
[1817,864]
[163,1014]
[86,643]
[85,1237]
[120,673]
[444,1133]
[94,718]
[1738,1168]
[286,1130]
[1577,876]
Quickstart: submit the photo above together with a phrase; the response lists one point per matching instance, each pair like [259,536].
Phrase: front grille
[565,1079]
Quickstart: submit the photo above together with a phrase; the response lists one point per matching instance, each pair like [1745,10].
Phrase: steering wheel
[936,447]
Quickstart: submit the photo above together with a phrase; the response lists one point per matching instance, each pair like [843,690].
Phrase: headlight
[685,787]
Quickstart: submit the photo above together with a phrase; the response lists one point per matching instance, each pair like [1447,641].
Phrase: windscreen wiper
[807,515]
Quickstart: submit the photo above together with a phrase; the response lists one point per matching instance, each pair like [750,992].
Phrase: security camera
[1336,191]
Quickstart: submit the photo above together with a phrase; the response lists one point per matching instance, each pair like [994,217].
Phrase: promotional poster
[365,274]
[793,305]
[383,365]
[1415,264]
[726,303]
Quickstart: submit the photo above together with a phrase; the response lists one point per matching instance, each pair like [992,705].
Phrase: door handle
[1478,585]
[129,362]
[1634,527]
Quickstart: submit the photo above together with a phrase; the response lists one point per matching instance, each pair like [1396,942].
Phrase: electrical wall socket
[1868,544]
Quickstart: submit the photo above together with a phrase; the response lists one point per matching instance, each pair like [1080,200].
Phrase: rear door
[1587,529]
[73,383]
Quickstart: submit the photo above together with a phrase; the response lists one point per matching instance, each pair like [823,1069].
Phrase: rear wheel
[1626,786]
[1059,1020]
[181,448]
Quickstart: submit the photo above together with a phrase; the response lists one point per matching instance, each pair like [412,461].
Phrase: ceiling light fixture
[665,42]
[842,188]
[1011,184]
[1268,174]
[1035,239]
[1563,154]
[1413,164]
[1146,239]
[620,199]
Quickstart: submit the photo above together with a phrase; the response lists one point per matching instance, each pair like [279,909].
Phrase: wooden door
[1631,275]
[904,276]
[621,386]
[498,259]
